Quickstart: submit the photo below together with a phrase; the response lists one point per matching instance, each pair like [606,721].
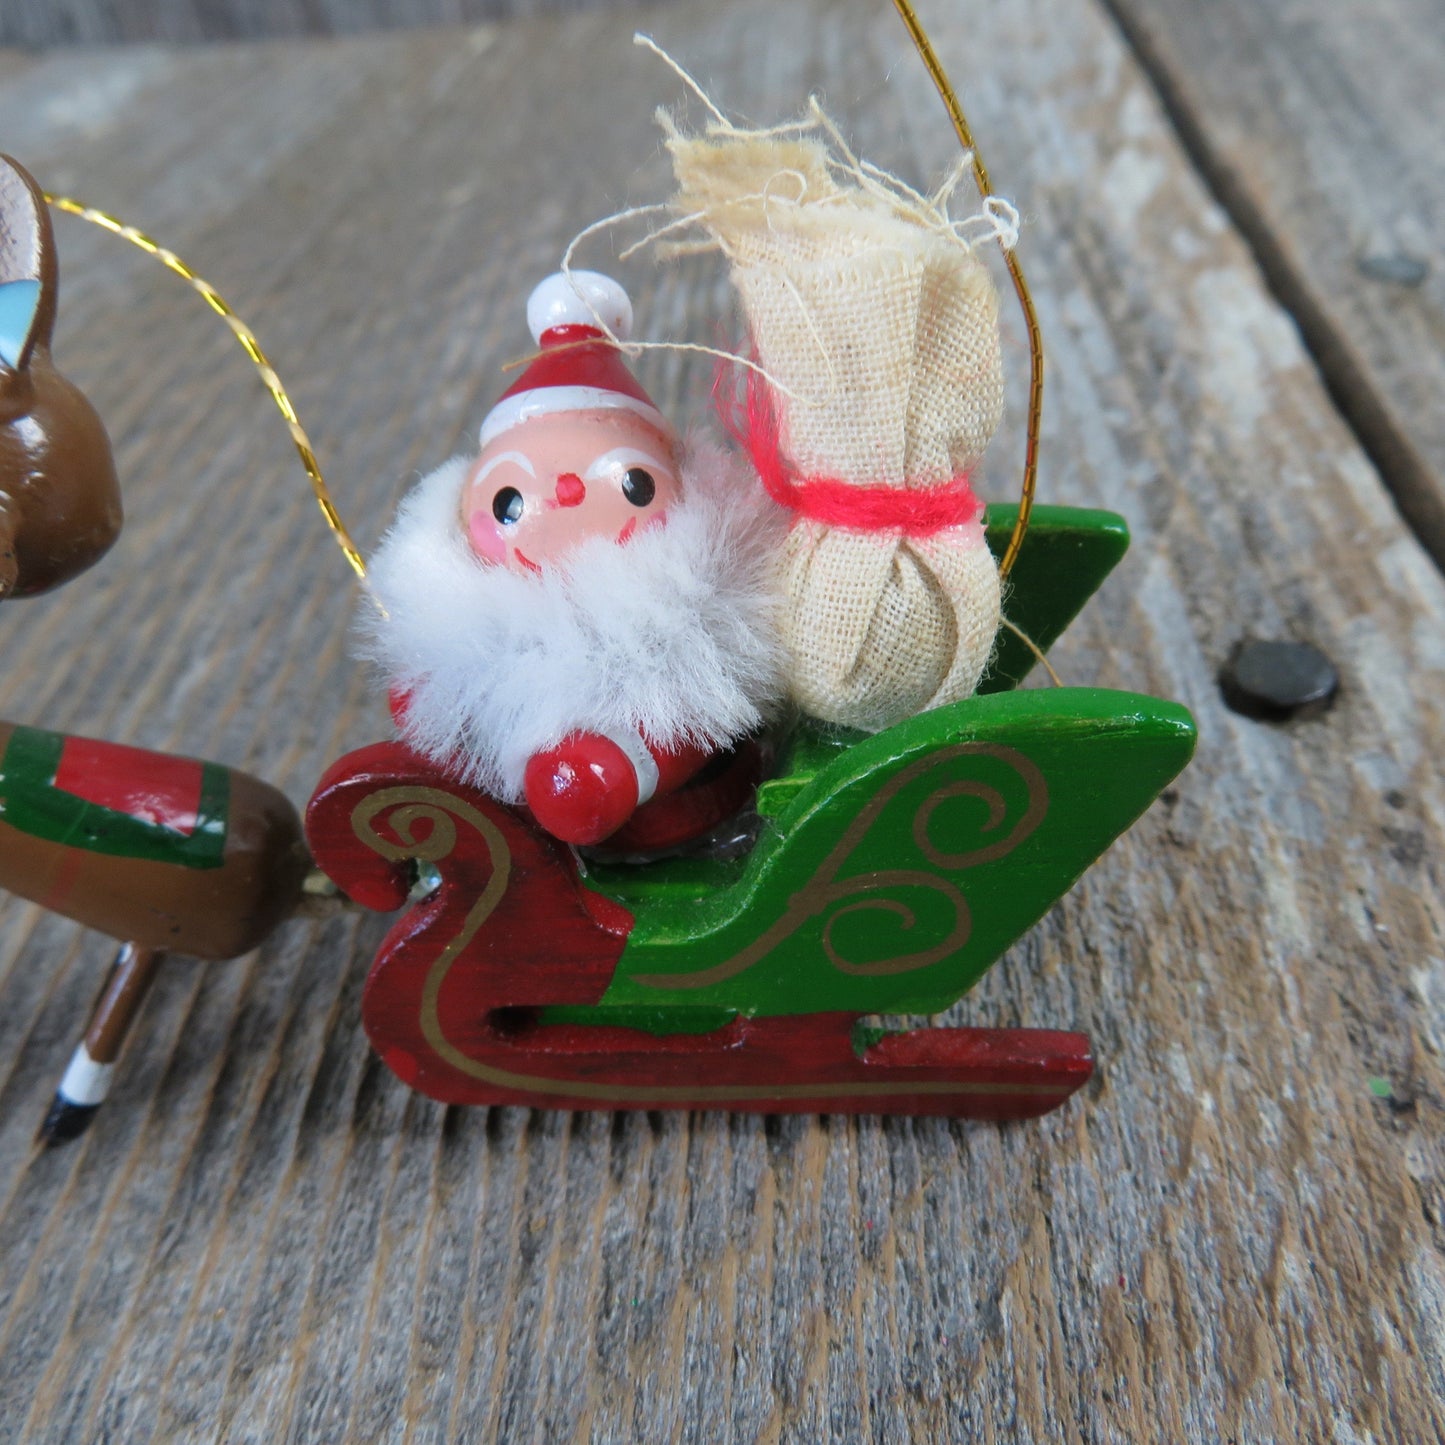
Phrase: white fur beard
[673,634]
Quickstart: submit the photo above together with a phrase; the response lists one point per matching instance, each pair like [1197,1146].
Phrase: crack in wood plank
[1339,313]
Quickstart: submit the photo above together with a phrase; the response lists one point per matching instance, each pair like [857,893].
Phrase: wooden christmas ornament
[920,815]
[712,770]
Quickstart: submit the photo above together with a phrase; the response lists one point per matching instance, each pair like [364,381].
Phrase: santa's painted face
[552,482]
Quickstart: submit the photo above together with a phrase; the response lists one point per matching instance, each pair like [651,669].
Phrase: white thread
[940,198]
[648,43]
[997,216]
[1005,217]
[636,348]
[818,341]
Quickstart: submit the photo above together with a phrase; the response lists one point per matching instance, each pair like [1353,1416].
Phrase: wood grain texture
[1318,126]
[44,23]
[266,1238]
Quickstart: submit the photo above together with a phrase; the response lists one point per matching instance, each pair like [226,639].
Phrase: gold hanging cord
[930,59]
[249,345]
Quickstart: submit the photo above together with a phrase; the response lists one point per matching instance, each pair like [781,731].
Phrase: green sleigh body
[889,873]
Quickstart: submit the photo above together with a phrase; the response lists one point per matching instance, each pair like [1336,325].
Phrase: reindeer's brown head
[59,500]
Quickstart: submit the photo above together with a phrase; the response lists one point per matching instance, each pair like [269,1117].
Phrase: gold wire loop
[249,345]
[935,69]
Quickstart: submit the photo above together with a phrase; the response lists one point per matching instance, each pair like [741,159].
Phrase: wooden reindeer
[166,854]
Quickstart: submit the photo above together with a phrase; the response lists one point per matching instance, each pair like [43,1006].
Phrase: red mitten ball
[583,790]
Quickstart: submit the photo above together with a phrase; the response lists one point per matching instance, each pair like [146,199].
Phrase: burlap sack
[881,328]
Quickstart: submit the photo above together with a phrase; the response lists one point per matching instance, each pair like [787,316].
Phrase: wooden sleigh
[889,873]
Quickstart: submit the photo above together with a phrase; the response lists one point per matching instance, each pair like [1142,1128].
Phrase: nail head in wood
[1396,267]
[1278,681]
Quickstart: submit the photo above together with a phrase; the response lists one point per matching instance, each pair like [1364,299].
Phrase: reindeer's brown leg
[87,1081]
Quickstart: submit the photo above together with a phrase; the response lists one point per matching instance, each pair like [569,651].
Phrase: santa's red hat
[580,368]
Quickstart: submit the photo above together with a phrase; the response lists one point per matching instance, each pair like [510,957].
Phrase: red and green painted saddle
[110,799]
[167,852]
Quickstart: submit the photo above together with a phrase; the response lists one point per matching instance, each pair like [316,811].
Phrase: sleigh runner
[890,872]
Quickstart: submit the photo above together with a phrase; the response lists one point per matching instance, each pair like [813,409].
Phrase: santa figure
[581,618]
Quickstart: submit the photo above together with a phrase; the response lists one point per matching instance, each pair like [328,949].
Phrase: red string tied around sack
[910,512]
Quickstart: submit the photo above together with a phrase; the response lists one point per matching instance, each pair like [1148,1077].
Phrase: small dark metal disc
[1396,267]
[1278,681]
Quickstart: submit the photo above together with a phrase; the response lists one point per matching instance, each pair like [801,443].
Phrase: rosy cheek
[486,537]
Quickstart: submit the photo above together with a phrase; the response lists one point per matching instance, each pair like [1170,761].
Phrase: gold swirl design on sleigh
[403,808]
[824,892]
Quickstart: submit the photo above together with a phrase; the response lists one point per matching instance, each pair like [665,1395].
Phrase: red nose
[570,490]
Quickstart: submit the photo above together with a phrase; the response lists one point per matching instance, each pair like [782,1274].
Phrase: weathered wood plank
[1318,125]
[266,1238]
[45,23]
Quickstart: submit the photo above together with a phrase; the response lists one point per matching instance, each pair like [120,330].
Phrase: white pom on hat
[578,298]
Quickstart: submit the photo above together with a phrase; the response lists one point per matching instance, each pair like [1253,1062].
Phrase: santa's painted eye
[638,486]
[507,505]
